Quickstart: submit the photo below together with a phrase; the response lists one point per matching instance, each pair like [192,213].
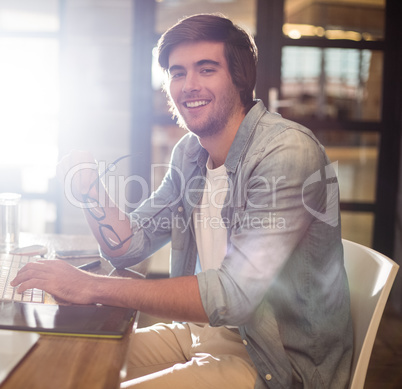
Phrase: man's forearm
[175,299]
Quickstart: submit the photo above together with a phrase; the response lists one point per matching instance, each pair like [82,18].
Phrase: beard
[213,124]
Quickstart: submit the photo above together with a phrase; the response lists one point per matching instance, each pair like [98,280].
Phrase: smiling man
[202,91]
[260,303]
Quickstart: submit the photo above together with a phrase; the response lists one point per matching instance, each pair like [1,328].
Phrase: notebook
[14,346]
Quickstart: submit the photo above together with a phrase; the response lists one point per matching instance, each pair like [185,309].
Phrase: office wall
[95,86]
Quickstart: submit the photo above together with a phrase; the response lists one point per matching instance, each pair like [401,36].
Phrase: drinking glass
[9,221]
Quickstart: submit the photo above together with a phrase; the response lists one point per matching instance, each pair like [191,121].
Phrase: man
[257,275]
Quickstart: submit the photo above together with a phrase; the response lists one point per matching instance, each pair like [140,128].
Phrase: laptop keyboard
[9,266]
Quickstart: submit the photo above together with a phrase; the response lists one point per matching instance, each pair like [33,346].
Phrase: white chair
[371,276]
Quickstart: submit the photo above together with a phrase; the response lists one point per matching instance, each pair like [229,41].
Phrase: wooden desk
[61,362]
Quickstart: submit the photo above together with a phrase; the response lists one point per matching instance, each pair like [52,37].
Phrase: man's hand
[60,279]
[77,171]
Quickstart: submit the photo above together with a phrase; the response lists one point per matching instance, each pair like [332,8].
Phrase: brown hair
[240,49]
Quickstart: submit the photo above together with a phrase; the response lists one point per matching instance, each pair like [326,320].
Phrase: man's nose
[191,83]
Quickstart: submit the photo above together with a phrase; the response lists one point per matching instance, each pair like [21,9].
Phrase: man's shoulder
[187,147]
[186,140]
[275,137]
[277,123]
[272,127]
[269,124]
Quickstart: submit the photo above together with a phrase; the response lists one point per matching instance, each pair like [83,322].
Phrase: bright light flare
[29,106]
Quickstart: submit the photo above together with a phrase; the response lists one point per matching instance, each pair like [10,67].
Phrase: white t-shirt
[210,230]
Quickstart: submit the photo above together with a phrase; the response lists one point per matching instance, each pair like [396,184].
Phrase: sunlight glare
[29,105]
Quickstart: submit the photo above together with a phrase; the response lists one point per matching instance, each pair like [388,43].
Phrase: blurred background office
[82,74]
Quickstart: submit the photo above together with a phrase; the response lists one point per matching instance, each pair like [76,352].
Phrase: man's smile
[196,104]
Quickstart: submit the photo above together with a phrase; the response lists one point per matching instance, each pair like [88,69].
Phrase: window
[29,103]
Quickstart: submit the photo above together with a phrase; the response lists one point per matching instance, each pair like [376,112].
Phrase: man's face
[201,88]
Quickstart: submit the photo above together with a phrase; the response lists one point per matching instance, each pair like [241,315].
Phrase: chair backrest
[370,276]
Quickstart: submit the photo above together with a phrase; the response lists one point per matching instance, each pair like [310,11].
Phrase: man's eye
[207,71]
[176,75]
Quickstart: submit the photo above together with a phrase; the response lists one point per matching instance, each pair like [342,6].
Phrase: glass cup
[9,221]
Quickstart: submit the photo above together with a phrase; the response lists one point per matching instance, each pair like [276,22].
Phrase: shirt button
[180,209]
[245,342]
[268,377]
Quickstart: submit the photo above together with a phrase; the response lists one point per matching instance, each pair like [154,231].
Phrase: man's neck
[218,145]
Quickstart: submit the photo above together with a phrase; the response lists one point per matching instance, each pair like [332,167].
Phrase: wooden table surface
[61,362]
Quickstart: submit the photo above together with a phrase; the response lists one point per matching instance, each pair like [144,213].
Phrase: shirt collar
[243,135]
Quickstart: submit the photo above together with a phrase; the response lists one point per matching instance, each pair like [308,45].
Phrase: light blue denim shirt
[282,281]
